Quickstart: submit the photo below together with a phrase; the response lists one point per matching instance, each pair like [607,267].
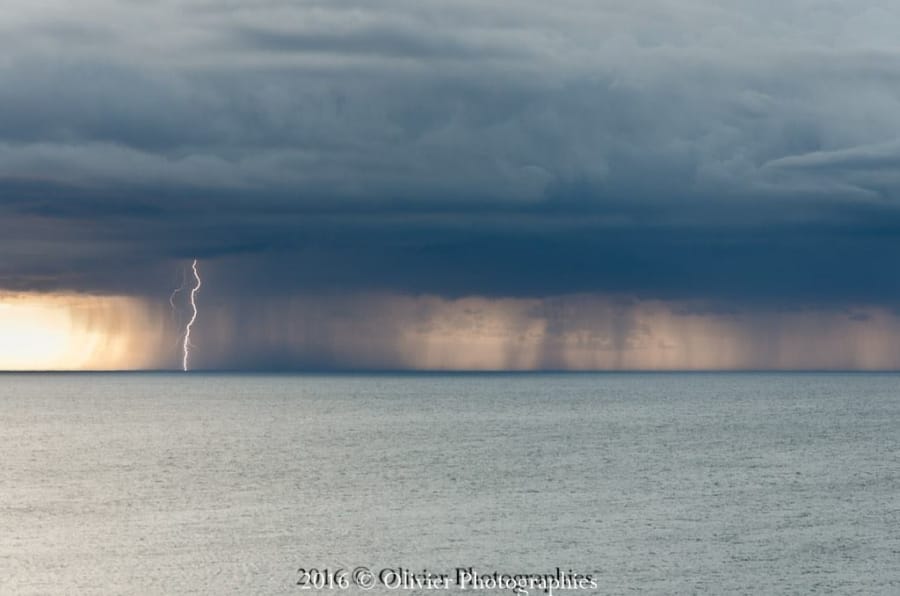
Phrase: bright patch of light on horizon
[78,332]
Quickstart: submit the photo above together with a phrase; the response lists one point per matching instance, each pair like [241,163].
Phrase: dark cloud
[736,154]
[387,41]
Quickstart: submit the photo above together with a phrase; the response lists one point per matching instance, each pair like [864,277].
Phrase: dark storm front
[461,579]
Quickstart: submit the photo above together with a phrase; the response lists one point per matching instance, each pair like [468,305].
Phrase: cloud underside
[738,157]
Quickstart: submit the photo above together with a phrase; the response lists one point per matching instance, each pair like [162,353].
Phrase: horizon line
[376,371]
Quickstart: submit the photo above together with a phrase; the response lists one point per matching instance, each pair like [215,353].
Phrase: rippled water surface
[654,483]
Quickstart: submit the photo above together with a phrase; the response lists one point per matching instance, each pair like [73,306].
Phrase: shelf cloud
[729,158]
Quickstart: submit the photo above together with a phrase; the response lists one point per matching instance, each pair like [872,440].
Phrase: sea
[645,483]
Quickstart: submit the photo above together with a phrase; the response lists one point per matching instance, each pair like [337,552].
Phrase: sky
[451,185]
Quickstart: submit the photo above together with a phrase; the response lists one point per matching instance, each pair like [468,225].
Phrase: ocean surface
[652,483]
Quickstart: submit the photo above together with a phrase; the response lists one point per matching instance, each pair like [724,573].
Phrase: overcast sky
[732,156]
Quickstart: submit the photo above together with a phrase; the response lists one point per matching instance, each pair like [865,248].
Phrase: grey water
[652,483]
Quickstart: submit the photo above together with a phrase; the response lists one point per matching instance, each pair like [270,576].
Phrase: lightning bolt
[186,346]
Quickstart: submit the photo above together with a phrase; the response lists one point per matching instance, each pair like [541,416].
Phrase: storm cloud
[735,156]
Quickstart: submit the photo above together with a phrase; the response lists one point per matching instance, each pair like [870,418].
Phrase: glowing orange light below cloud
[79,332]
[73,332]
